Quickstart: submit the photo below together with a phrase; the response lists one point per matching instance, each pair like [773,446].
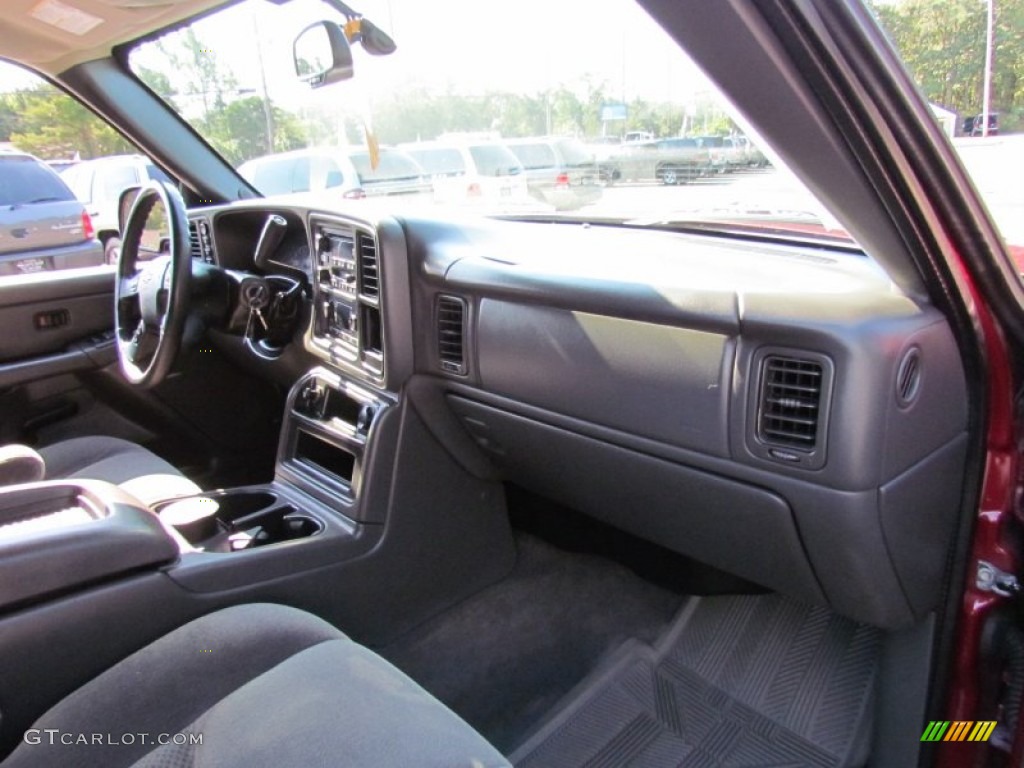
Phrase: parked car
[725,153]
[62,165]
[683,160]
[974,124]
[476,171]
[99,183]
[670,161]
[634,137]
[347,171]
[559,171]
[751,154]
[603,149]
[42,226]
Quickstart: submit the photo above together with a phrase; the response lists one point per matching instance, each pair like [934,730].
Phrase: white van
[99,183]
[346,171]
[472,172]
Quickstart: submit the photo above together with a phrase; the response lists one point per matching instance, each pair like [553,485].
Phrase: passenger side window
[973,92]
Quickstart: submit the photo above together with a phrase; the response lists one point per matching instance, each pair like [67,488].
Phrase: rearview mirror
[375,41]
[322,54]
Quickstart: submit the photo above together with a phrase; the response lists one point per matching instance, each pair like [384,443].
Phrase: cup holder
[233,521]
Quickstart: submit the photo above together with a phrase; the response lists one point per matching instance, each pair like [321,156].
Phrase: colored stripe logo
[958,730]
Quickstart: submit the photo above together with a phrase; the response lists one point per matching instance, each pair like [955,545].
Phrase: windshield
[453,100]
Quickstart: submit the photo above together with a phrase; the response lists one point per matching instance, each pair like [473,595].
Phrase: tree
[159,83]
[238,130]
[662,119]
[942,44]
[9,117]
[517,114]
[52,125]
[195,63]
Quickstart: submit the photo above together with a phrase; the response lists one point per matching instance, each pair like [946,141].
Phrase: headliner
[29,40]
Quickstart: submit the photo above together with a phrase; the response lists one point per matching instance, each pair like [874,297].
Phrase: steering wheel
[151,297]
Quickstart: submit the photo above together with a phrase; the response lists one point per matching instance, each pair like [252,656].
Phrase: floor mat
[738,681]
[505,657]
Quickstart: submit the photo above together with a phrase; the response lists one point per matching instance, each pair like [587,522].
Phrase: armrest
[20,464]
[60,535]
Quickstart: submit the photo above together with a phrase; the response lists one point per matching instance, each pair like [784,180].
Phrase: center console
[339,424]
[325,439]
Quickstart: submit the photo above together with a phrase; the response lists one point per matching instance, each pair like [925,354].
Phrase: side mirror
[322,54]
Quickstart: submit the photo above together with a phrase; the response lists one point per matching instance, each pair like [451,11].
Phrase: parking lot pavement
[996,165]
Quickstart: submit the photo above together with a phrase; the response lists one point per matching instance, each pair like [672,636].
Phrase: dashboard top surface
[585,253]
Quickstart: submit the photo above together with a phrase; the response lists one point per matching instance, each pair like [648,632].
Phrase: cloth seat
[262,685]
[138,471]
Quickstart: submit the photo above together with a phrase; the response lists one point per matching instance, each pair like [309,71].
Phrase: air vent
[369,269]
[790,402]
[451,334]
[908,377]
[199,240]
[193,237]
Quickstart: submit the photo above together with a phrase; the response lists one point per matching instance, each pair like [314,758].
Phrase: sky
[526,46]
[13,78]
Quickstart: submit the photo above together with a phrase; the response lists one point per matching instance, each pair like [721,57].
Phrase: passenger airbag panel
[662,382]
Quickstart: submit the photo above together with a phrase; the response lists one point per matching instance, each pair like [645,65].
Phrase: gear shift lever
[273,232]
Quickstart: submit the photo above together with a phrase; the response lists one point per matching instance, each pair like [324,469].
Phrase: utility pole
[987,84]
[268,114]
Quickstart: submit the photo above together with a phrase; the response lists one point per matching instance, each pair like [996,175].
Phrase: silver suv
[559,171]
[42,226]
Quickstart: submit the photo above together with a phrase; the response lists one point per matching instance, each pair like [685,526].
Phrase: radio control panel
[347,328]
